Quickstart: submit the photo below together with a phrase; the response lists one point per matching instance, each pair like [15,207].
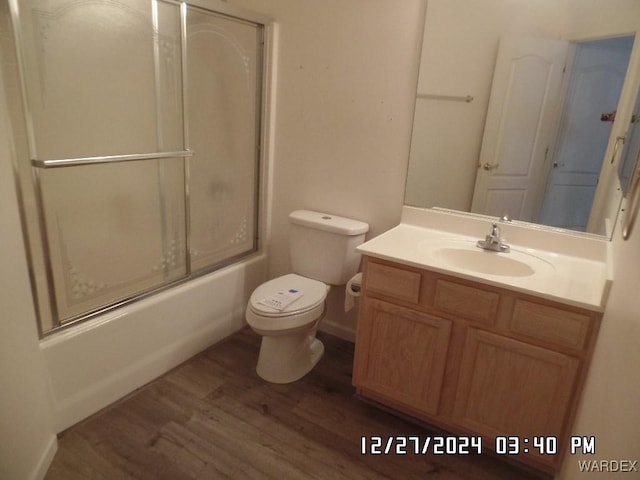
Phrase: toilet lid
[313,292]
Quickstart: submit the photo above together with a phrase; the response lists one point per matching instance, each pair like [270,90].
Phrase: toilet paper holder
[352,291]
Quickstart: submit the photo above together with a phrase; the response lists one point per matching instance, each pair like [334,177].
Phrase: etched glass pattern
[103,77]
[114,230]
[223,105]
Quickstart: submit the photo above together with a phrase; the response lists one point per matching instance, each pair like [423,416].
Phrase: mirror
[628,172]
[631,149]
[461,128]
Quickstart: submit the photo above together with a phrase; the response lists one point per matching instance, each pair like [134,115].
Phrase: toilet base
[287,358]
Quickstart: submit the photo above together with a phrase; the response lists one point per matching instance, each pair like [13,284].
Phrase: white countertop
[571,269]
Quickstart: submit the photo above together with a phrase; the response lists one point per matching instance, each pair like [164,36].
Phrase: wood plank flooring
[213,417]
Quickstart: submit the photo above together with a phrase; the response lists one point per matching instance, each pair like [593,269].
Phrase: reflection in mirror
[532,142]
[631,150]
[594,85]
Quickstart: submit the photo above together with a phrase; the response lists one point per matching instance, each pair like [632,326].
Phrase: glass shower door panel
[103,77]
[113,231]
[223,91]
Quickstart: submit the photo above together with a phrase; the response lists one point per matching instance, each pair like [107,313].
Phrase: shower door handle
[69,162]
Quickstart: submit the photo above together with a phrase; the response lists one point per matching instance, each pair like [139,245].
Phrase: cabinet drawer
[394,282]
[550,324]
[468,302]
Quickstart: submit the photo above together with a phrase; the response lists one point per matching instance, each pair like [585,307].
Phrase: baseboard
[338,330]
[46,458]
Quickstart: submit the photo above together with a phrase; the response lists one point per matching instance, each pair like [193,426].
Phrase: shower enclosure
[137,132]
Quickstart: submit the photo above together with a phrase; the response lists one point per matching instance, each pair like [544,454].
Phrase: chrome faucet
[493,241]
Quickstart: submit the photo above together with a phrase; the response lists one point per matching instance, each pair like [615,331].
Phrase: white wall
[347,75]
[26,427]
[610,407]
[597,18]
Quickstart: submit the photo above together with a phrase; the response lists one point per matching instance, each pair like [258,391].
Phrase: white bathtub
[97,362]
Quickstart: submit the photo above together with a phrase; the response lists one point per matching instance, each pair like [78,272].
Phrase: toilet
[286,311]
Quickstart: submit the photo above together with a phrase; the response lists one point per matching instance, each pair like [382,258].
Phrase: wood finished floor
[213,417]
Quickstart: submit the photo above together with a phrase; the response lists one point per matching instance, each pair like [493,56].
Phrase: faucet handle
[495,230]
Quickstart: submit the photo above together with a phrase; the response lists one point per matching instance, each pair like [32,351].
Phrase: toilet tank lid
[328,222]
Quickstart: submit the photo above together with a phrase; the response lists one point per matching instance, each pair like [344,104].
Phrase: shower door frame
[265,96]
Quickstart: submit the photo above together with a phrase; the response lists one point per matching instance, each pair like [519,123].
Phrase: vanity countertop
[570,269]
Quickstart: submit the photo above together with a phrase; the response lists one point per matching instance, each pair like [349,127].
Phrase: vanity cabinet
[471,358]
[406,354]
[509,387]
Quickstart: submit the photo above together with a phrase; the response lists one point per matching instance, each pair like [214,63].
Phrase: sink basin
[464,255]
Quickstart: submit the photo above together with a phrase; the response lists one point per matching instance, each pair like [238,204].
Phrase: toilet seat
[302,311]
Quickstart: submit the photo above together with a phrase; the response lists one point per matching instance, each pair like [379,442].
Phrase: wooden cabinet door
[507,387]
[401,354]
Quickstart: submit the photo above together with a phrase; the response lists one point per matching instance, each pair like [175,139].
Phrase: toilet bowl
[286,310]
[289,349]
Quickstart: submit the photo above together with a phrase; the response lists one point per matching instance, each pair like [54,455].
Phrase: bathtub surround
[124,349]
[93,364]
[76,373]
[164,181]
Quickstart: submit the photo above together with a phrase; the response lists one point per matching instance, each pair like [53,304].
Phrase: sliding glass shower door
[142,131]
[224,70]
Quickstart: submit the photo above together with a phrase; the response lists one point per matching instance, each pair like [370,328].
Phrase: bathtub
[95,363]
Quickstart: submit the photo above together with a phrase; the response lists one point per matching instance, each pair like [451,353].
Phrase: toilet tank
[323,246]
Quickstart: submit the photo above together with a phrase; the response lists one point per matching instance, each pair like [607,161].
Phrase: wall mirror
[631,150]
[522,109]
